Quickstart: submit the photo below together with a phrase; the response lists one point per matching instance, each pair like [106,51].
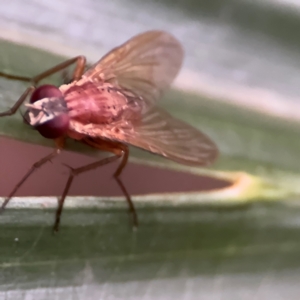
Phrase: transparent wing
[160,133]
[146,64]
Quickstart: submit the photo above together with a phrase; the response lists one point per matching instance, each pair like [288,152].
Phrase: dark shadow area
[16,158]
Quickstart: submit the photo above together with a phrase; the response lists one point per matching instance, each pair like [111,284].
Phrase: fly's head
[47,112]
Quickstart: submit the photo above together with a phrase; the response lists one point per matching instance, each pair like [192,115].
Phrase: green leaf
[187,243]
[260,145]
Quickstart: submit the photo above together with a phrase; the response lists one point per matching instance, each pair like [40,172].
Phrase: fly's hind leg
[120,151]
[80,62]
[125,154]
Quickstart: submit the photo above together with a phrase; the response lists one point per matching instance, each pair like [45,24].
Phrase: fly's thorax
[94,102]
[49,116]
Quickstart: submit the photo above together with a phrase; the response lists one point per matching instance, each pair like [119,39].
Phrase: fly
[112,105]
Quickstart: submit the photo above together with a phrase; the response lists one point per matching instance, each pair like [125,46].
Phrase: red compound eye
[54,128]
[45,91]
[59,125]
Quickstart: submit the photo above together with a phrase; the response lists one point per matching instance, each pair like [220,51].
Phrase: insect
[111,106]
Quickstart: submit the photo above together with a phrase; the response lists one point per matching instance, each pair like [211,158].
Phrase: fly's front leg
[78,71]
[17,105]
[59,144]
[15,77]
[80,62]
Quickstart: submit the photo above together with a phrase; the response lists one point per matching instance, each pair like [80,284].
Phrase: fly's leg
[73,173]
[15,77]
[34,167]
[78,71]
[125,154]
[120,151]
[16,106]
